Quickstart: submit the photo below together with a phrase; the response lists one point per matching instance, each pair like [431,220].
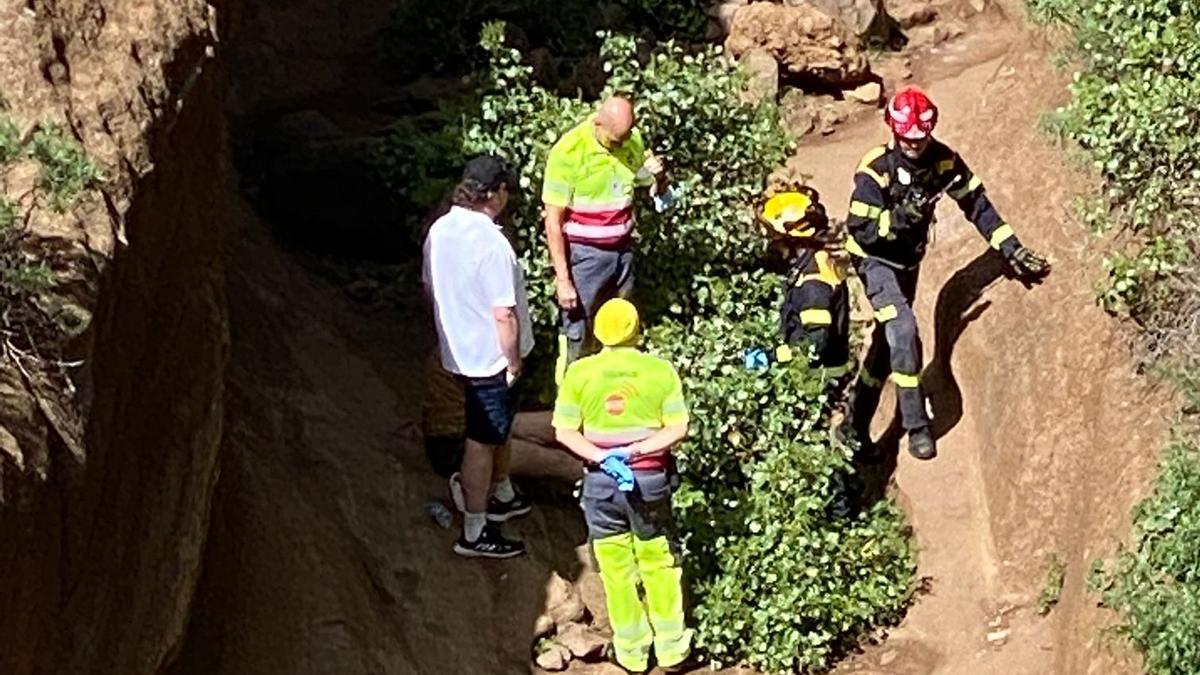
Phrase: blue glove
[620,471]
[621,452]
[756,359]
[665,200]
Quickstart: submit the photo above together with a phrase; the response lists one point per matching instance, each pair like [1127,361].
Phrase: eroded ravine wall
[103,532]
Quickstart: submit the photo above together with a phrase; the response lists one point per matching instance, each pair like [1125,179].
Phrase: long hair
[470,194]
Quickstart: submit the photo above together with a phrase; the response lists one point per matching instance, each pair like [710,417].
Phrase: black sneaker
[490,544]
[921,444]
[499,512]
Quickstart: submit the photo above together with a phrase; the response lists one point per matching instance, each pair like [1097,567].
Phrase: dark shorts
[646,511]
[491,407]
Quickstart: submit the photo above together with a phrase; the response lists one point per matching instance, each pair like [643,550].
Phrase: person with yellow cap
[815,312]
[622,411]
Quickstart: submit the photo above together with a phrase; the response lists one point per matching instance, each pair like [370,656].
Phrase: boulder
[583,643]
[893,70]
[807,43]
[913,14]
[543,626]
[793,172]
[797,113]
[722,13]
[934,35]
[763,70]
[591,589]
[563,603]
[868,94]
[554,658]
[868,19]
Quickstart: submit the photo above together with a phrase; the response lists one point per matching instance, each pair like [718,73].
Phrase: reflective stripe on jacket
[889,188]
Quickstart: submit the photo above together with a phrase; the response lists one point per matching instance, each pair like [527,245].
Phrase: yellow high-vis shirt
[619,396]
[595,184]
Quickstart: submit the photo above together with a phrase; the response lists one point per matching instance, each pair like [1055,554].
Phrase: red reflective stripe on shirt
[649,463]
[598,235]
[601,218]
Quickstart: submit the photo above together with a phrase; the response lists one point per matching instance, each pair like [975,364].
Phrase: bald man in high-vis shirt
[592,175]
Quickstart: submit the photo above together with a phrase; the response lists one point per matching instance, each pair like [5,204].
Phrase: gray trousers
[895,347]
[646,511]
[599,275]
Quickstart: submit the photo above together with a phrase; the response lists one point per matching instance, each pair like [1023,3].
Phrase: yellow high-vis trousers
[630,540]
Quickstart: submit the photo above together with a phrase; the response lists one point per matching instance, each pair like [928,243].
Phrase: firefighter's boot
[921,444]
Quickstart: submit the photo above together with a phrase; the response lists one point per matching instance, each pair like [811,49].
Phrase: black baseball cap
[488,172]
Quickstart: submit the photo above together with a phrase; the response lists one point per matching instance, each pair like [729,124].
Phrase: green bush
[66,168]
[1134,110]
[419,161]
[780,585]
[8,216]
[28,278]
[1155,583]
[1052,587]
[689,107]
[11,146]
[439,37]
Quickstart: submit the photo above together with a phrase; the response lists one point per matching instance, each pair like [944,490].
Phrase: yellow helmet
[795,214]
[616,322]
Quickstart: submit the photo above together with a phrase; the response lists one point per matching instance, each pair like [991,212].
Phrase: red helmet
[911,114]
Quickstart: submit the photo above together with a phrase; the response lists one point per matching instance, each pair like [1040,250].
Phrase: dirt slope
[321,558]
[1048,435]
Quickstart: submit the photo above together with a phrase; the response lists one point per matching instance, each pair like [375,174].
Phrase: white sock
[473,524]
[503,491]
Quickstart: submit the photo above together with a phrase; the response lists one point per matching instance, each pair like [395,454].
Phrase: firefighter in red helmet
[896,188]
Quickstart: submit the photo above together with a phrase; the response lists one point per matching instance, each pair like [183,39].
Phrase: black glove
[1028,264]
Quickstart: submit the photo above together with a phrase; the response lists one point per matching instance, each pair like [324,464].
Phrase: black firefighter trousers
[895,349]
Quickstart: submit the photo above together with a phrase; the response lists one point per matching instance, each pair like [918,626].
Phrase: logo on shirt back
[616,402]
[615,405]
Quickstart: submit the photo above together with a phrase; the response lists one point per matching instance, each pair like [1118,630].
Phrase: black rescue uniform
[890,215]
[816,311]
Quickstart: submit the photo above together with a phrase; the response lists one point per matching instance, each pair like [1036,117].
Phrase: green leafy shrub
[780,584]
[11,146]
[1056,576]
[1134,282]
[1134,110]
[419,160]
[19,275]
[439,37]
[690,110]
[28,278]
[8,216]
[66,168]
[1155,583]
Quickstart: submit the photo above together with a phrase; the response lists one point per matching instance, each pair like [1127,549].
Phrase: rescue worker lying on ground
[896,189]
[630,408]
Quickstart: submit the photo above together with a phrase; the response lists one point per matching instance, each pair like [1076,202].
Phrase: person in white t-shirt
[481,311]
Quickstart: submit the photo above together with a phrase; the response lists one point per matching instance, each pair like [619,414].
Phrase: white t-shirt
[470,269]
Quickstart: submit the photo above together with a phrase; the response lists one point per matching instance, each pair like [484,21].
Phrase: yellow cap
[790,215]
[616,322]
